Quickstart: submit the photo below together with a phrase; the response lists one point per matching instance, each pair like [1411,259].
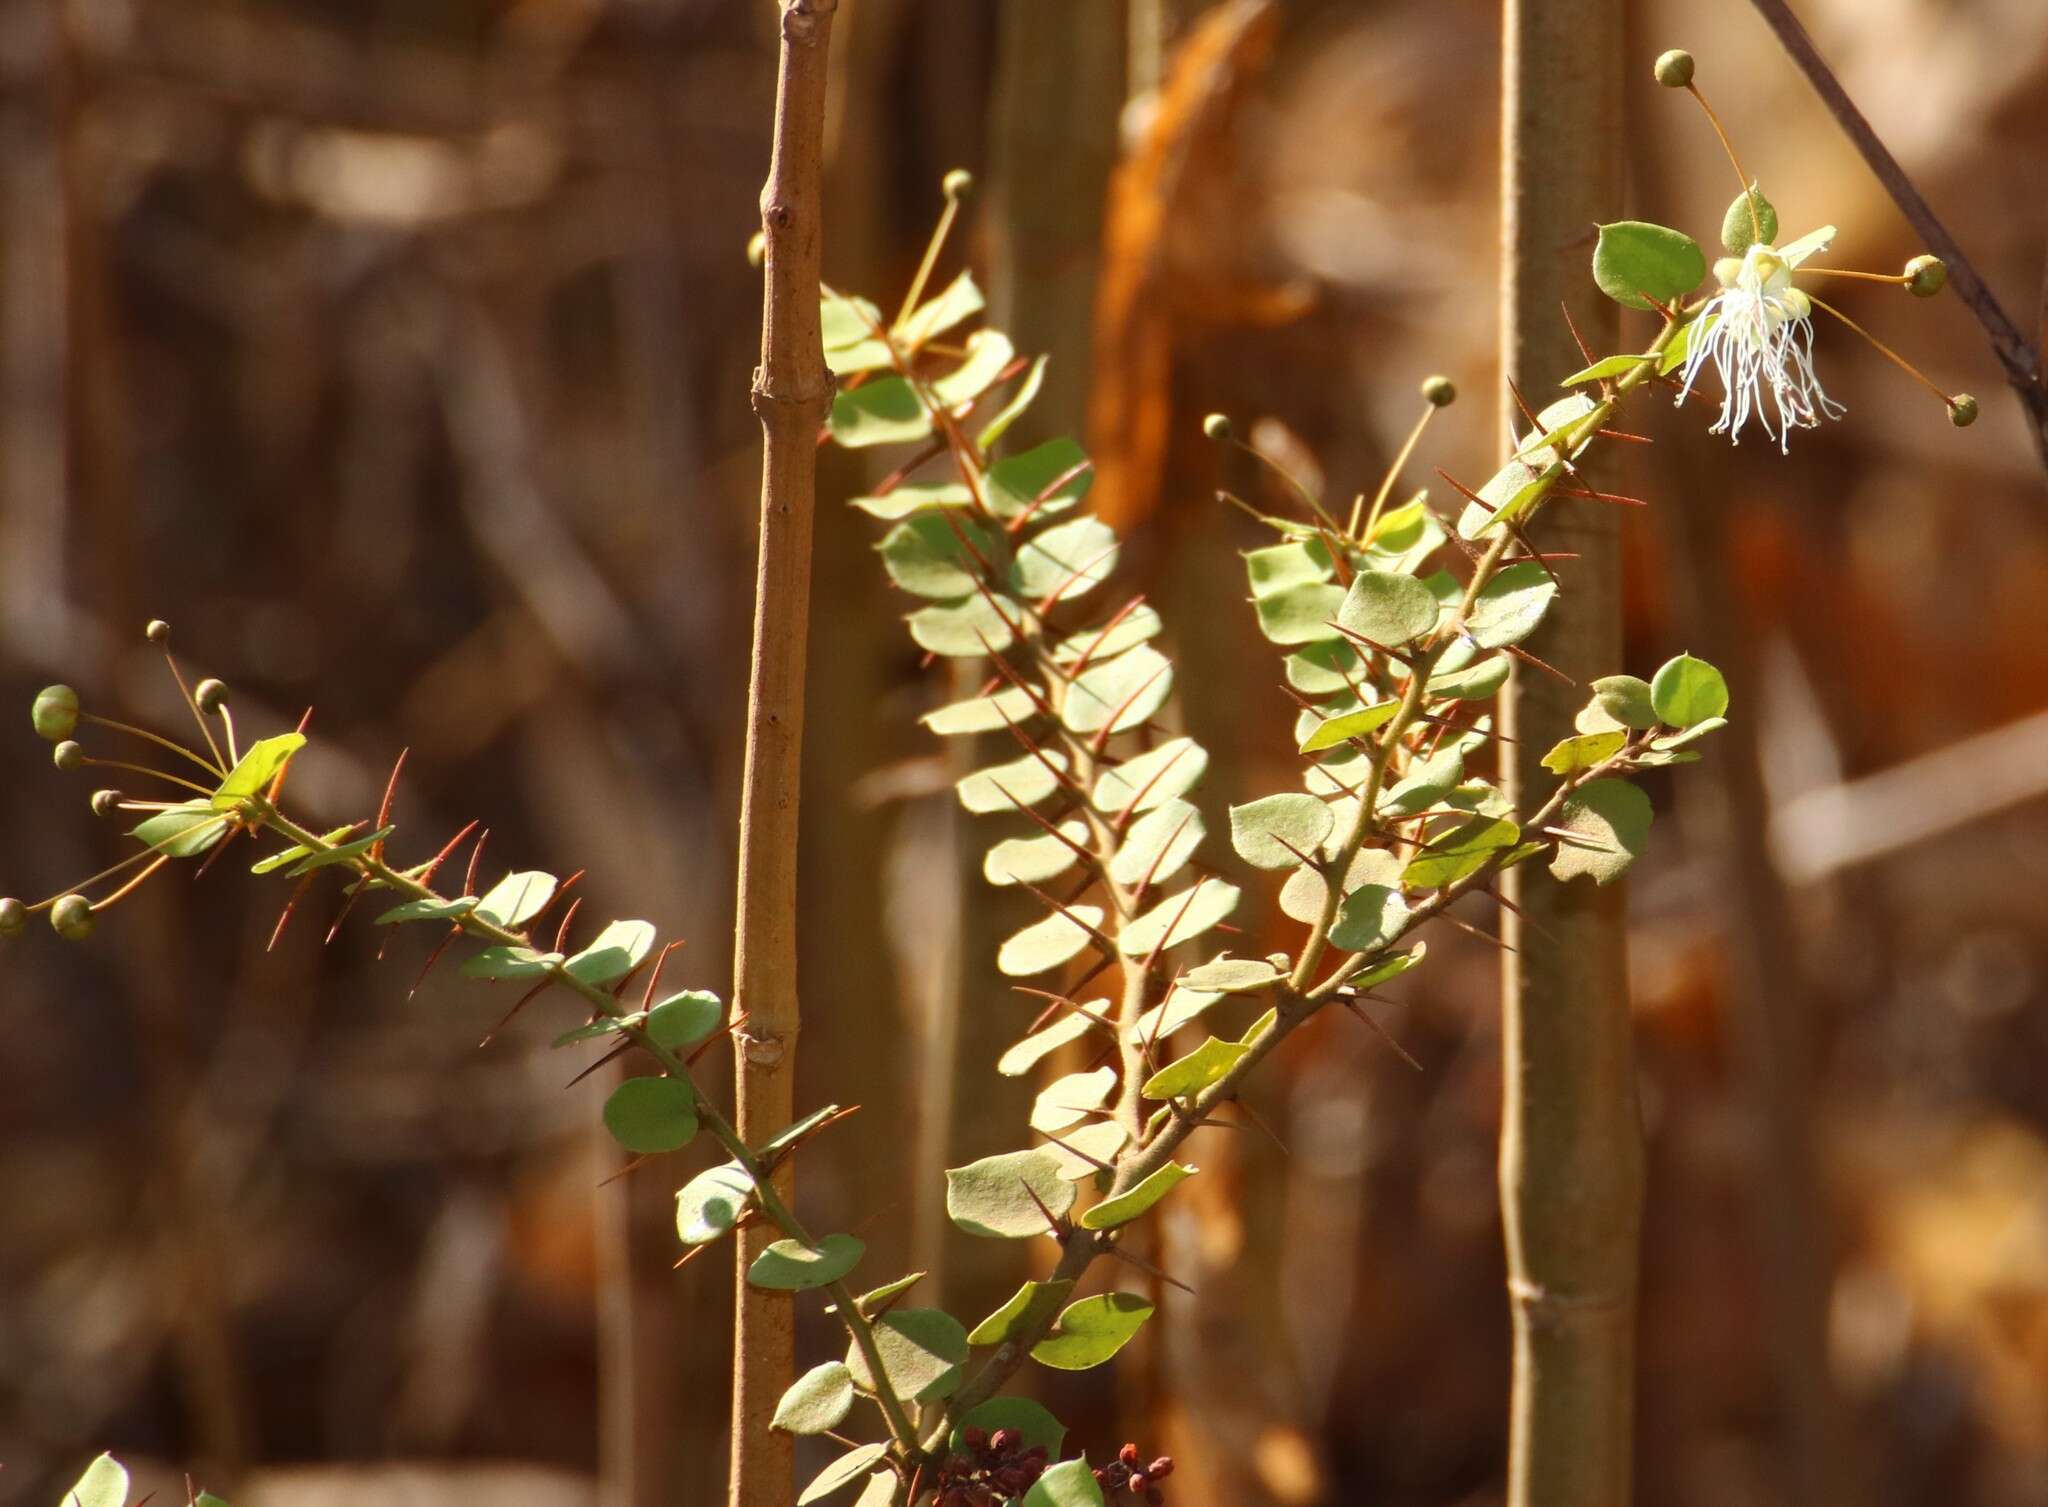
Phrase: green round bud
[958,184]
[13,917]
[73,918]
[68,756]
[1439,392]
[105,802]
[157,631]
[1217,427]
[1674,68]
[1962,410]
[210,694]
[55,713]
[1926,276]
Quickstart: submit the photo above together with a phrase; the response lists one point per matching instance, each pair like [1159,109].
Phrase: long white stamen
[1758,333]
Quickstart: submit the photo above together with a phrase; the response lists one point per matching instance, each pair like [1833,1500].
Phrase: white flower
[1758,332]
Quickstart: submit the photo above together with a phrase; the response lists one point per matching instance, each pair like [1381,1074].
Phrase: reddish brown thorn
[291,904]
[1049,491]
[1259,1120]
[1152,957]
[1669,311]
[1010,673]
[434,863]
[1596,496]
[1585,351]
[1102,636]
[555,899]
[348,904]
[1107,946]
[1114,725]
[611,1056]
[1459,727]
[568,919]
[1051,1219]
[1379,1030]
[1143,1265]
[1523,916]
[691,1255]
[654,976]
[1098,1165]
[1465,492]
[1527,412]
[1137,799]
[475,857]
[1623,434]
[704,1046]
[1480,932]
[521,1005]
[902,473]
[1339,557]
[218,848]
[384,806]
[1158,858]
[632,1166]
[1524,654]
[771,1163]
[433,958]
[1533,553]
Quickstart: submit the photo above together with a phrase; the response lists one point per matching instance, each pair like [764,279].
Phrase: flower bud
[958,184]
[157,631]
[1439,392]
[210,695]
[757,249]
[1217,427]
[13,917]
[105,802]
[1129,1455]
[67,756]
[1674,68]
[55,713]
[72,918]
[1962,410]
[1926,275]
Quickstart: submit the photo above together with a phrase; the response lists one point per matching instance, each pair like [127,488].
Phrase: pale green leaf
[1152,778]
[1023,1056]
[185,831]
[1071,1099]
[1279,831]
[816,1401]
[993,1197]
[1511,605]
[1333,732]
[1025,1307]
[1090,1332]
[939,554]
[1461,851]
[1068,1484]
[1750,218]
[1688,690]
[711,1203]
[1387,609]
[1369,918]
[1627,699]
[1158,844]
[1046,944]
[1066,560]
[516,899]
[966,629]
[988,352]
[1033,860]
[1021,398]
[913,498]
[1301,614]
[500,963]
[1029,1418]
[1009,707]
[1178,918]
[1043,480]
[618,950]
[923,1352]
[1609,824]
[842,1473]
[881,411]
[1119,693]
[1024,781]
[792,1266]
[104,1484]
[958,300]
[252,775]
[685,1019]
[650,1115]
[1125,1207]
[1570,755]
[1634,262]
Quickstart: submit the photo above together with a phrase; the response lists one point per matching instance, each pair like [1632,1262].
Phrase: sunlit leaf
[256,769]
[816,1401]
[1125,1207]
[842,1473]
[1609,823]
[881,411]
[792,1266]
[619,949]
[1048,943]
[516,899]
[1030,1302]
[922,1350]
[1633,259]
[993,1197]
[711,1203]
[1091,1331]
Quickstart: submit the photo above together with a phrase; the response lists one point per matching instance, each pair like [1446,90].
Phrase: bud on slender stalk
[210,695]
[68,756]
[72,918]
[13,917]
[1439,392]
[1674,68]
[55,713]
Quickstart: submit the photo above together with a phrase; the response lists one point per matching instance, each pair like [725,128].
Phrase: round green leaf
[711,1203]
[1071,1099]
[792,1266]
[1033,860]
[499,963]
[1056,471]
[1022,1057]
[1740,229]
[1688,690]
[1046,944]
[1027,1417]
[1608,822]
[1151,779]
[1125,1207]
[1369,918]
[1301,614]
[1065,561]
[648,1115]
[1334,732]
[816,1401]
[1627,699]
[104,1484]
[1388,609]
[1229,975]
[982,714]
[842,1472]
[1634,258]
[993,1197]
[923,1351]
[1475,682]
[516,899]
[881,411]
[1464,849]
[1029,1301]
[1178,918]
[684,1019]
[1509,607]
[1068,1484]
[184,831]
[937,554]
[1092,1330]
[256,769]
[1158,844]
[988,352]
[1119,693]
[619,949]
[1196,1071]
[1570,755]
[966,629]
[1005,787]
[1279,831]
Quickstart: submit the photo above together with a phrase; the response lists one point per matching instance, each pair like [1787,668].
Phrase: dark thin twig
[2020,358]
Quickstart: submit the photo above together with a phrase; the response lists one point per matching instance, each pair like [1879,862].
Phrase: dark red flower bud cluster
[991,1470]
[1130,1472]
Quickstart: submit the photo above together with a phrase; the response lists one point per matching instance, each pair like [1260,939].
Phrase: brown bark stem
[2018,356]
[792,393]
[1571,1141]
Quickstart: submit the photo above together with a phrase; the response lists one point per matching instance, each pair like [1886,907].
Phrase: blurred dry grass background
[396,353]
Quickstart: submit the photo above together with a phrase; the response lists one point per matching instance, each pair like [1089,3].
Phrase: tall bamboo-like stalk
[792,392]
[1571,1141]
